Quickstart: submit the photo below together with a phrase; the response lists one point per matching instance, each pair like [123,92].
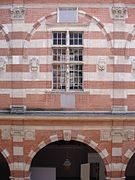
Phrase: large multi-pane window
[67,61]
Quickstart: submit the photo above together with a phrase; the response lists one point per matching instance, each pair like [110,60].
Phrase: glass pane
[75,77]
[75,35]
[54,41]
[64,35]
[76,41]
[71,35]
[71,41]
[59,35]
[63,41]
[59,78]
[80,41]
[54,35]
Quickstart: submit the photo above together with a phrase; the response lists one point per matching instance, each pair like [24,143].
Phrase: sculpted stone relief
[119,12]
[34,64]
[17,13]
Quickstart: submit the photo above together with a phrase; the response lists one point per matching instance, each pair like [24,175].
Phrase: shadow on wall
[130,170]
[4,169]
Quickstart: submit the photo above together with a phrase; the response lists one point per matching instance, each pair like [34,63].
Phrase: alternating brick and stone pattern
[26,82]
[113,139]
[108,55]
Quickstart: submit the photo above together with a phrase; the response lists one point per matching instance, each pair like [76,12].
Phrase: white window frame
[68,62]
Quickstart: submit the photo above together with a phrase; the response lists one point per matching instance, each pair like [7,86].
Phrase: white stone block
[40,43]
[18,43]
[17,139]
[19,166]
[3,44]
[54,138]
[5,153]
[32,154]
[15,60]
[129,154]
[18,151]
[104,153]
[116,151]
[42,144]
[93,144]
[80,138]
[18,93]
[116,166]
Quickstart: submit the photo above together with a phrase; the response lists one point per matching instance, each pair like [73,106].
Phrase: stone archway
[129,39]
[103,153]
[63,159]
[42,21]
[128,168]
[4,167]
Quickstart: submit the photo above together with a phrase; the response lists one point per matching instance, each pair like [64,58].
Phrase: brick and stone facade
[100,115]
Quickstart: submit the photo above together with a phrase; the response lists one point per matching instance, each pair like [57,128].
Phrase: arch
[5,33]
[80,138]
[44,18]
[129,39]
[6,156]
[128,155]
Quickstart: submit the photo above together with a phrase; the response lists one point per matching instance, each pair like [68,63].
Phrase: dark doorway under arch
[130,170]
[4,169]
[55,155]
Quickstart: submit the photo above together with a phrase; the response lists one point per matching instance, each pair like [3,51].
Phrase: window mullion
[67,69]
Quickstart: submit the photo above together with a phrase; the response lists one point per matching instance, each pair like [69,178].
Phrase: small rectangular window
[76,74]
[67,15]
[76,38]
[59,38]
[76,54]
[59,77]
[59,54]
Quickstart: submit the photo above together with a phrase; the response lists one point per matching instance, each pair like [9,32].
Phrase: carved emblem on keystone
[67,135]
[17,13]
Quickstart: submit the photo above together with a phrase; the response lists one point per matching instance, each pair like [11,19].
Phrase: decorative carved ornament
[101,65]
[119,13]
[133,65]
[105,135]
[2,63]
[30,135]
[129,134]
[17,13]
[17,109]
[117,135]
[17,132]
[67,135]
[34,64]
